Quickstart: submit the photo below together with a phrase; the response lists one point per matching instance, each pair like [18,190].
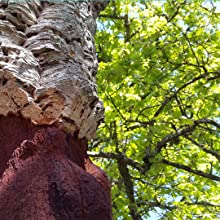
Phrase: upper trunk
[48,63]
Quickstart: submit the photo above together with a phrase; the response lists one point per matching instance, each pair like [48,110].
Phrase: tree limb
[183,132]
[189,169]
[129,187]
[172,96]
[117,157]
[212,152]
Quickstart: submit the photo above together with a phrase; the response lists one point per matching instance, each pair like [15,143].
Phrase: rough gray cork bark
[48,63]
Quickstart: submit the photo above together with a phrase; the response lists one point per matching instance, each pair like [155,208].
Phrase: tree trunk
[49,109]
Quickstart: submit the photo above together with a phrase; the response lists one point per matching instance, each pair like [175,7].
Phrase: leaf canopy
[159,79]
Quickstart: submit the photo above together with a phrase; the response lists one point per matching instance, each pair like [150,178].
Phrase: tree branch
[176,12]
[203,203]
[96,143]
[117,157]
[162,206]
[188,169]
[212,152]
[115,106]
[172,96]
[183,132]
[112,16]
[129,187]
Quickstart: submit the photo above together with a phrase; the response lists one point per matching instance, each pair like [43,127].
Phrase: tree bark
[49,109]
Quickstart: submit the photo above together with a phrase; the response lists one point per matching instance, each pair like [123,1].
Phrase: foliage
[159,78]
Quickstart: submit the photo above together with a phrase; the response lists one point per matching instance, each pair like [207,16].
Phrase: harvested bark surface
[46,174]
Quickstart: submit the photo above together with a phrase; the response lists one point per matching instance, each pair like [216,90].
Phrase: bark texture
[46,174]
[48,63]
[49,109]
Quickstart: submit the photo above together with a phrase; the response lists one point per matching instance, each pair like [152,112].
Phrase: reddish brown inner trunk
[46,174]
